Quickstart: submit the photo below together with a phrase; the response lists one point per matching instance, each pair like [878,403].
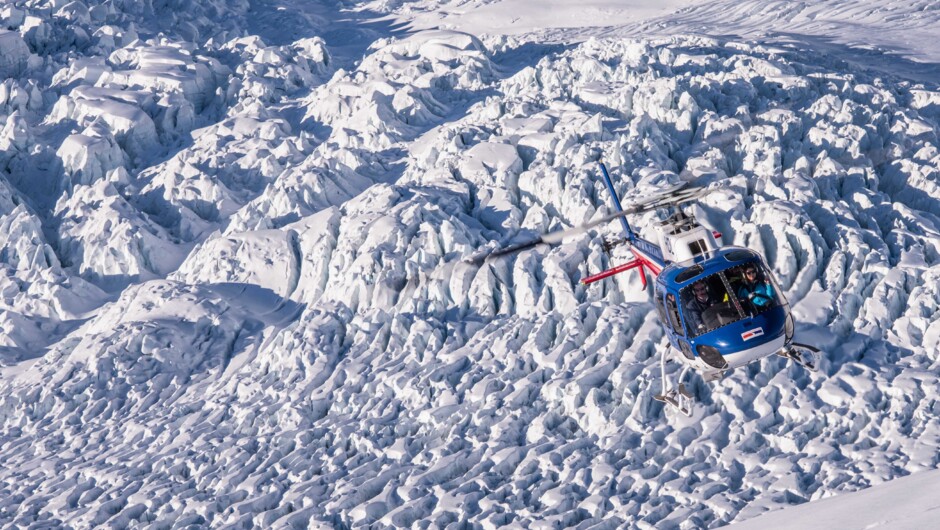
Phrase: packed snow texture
[234,289]
[895,36]
[907,502]
[523,16]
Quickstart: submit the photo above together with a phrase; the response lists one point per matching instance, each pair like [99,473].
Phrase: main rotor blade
[672,197]
[550,238]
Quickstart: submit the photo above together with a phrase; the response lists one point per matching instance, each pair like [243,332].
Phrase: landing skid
[803,354]
[678,398]
[675,395]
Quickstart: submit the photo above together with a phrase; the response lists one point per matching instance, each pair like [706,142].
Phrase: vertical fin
[616,200]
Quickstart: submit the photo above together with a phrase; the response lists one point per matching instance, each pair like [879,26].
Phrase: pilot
[697,305]
[760,293]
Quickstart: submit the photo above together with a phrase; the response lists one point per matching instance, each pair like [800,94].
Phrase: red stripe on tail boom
[646,262]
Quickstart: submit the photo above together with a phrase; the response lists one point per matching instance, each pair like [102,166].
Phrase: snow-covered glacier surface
[235,294]
[907,502]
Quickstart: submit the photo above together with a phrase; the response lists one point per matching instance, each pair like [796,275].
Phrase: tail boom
[649,254]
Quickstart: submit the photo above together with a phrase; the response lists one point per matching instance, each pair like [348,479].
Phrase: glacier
[234,287]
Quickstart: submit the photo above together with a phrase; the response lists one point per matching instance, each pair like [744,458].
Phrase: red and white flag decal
[756,332]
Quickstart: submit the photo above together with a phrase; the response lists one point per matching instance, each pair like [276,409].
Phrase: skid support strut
[675,395]
[803,354]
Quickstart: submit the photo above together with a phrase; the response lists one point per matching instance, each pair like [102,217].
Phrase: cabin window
[708,305]
[754,287]
[719,299]
[697,247]
[739,255]
[660,308]
[689,273]
[673,312]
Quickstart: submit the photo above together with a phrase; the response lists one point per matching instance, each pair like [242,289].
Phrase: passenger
[760,293]
[696,306]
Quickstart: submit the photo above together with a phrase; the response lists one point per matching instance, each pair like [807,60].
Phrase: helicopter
[720,306]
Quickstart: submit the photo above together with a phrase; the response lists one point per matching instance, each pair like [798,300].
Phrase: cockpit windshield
[754,287]
[728,296]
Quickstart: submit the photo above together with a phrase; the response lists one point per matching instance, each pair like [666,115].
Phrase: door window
[672,311]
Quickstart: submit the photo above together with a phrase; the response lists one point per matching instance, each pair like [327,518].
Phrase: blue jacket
[761,288]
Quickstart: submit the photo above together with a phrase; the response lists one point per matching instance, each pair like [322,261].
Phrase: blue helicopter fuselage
[747,335]
[719,305]
[741,326]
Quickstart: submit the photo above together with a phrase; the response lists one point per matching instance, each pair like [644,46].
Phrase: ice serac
[166,69]
[140,348]
[118,109]
[88,156]
[37,297]
[401,89]
[110,242]
[22,245]
[14,54]
[15,137]
[266,73]
[265,258]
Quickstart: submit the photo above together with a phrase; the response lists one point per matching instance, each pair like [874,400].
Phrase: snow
[13,54]
[893,37]
[234,286]
[515,17]
[907,502]
[91,154]
[119,110]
